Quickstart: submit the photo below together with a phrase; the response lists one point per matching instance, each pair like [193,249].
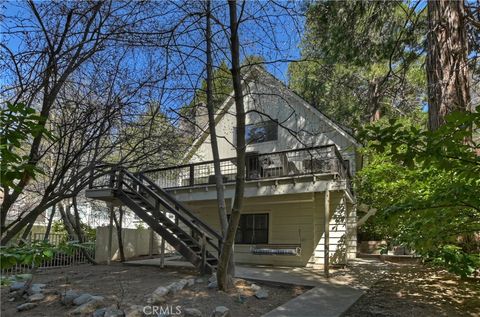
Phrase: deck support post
[110,235]
[204,253]
[162,253]
[150,244]
[326,255]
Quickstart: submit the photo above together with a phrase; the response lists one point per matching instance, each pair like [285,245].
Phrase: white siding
[300,125]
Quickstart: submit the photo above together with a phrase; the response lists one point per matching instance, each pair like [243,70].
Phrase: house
[299,165]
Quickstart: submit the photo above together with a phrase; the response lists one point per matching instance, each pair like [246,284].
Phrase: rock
[212,284]
[221,311]
[158,296]
[261,294]
[82,299]
[190,282]
[87,308]
[183,282]
[114,312]
[99,312]
[17,286]
[255,287]
[192,312]
[176,287]
[199,281]
[69,296]
[38,285]
[36,297]
[36,288]
[134,311]
[213,278]
[26,306]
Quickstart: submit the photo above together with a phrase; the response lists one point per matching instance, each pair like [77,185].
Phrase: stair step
[144,207]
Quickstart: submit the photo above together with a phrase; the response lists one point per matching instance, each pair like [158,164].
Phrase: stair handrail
[181,206]
[187,221]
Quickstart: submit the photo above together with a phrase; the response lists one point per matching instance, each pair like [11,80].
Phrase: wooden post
[150,244]
[110,234]
[326,251]
[192,176]
[162,253]
[204,253]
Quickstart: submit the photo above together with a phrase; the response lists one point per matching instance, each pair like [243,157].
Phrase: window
[252,229]
[261,132]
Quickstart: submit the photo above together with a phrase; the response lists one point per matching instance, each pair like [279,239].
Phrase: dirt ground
[414,290]
[132,285]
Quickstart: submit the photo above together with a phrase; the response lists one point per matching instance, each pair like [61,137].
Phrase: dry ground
[131,285]
[414,290]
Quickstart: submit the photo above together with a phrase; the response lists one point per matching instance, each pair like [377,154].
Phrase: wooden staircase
[190,236]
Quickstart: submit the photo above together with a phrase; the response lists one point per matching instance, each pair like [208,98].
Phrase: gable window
[261,132]
[252,229]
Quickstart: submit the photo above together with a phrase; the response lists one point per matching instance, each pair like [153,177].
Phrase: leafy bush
[425,185]
[457,261]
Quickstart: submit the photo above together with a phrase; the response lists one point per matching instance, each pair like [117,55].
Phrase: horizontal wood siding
[293,219]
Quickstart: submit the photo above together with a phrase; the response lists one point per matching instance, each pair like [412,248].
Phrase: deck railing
[313,160]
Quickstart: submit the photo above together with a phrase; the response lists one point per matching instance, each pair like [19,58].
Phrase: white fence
[59,259]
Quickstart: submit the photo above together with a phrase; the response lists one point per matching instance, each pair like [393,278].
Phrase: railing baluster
[192,175]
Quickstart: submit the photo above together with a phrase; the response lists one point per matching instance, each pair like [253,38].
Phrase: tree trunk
[77,226]
[26,233]
[222,208]
[64,214]
[227,247]
[118,225]
[446,65]
[49,225]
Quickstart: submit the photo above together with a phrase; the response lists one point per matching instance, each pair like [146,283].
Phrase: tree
[447,66]
[361,60]
[75,65]
[227,247]
[425,184]
[18,124]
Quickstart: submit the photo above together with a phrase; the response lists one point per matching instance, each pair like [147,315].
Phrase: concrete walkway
[328,297]
[327,300]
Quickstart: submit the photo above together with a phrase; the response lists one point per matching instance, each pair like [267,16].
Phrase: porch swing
[277,249]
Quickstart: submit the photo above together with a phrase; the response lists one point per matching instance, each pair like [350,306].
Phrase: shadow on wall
[340,219]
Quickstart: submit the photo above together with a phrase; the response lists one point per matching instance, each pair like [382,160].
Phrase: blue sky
[276,39]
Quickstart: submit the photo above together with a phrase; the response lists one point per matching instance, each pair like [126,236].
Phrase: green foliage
[457,261]
[58,227]
[361,57]
[425,185]
[30,254]
[35,253]
[18,124]
[222,86]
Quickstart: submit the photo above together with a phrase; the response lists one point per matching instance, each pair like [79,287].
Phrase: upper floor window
[261,132]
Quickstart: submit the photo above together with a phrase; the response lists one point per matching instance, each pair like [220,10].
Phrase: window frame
[266,122]
[242,227]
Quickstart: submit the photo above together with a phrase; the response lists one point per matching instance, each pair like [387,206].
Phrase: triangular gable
[229,101]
